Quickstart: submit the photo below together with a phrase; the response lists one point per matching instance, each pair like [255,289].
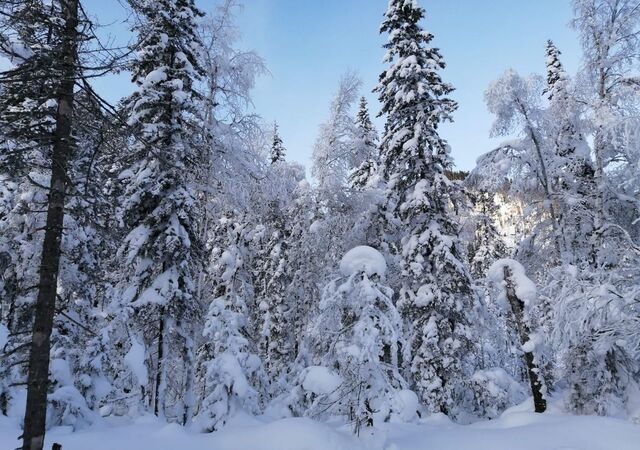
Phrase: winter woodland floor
[516,429]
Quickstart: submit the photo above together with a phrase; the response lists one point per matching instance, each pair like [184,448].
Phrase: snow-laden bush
[356,338]
[597,340]
[67,406]
[494,391]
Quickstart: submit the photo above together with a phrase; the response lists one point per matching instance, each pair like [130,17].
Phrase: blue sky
[308,44]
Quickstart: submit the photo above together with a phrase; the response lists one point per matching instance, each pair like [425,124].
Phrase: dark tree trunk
[157,404]
[517,307]
[38,375]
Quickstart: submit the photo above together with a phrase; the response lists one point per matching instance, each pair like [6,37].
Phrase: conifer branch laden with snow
[436,295]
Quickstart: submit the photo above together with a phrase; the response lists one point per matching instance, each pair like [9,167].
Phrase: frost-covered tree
[357,335]
[435,297]
[366,148]
[571,167]
[596,338]
[306,264]
[160,251]
[520,293]
[277,148]
[530,160]
[488,244]
[609,34]
[334,154]
[229,368]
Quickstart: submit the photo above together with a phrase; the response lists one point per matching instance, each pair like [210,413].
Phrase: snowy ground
[515,430]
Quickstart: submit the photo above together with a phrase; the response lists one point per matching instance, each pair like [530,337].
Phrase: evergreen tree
[366,148]
[556,75]
[272,279]
[571,167]
[230,371]
[277,149]
[36,115]
[436,295]
[488,245]
[161,248]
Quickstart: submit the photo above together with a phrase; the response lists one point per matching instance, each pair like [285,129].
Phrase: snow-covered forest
[169,279]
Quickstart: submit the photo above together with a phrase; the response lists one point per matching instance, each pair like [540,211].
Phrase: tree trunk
[517,307]
[188,396]
[158,402]
[38,375]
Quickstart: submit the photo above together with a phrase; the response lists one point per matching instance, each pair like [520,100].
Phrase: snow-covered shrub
[597,340]
[494,391]
[357,336]
[67,406]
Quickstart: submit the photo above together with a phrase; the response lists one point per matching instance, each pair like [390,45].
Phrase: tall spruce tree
[435,295]
[571,167]
[366,151]
[556,75]
[36,114]
[161,248]
[277,148]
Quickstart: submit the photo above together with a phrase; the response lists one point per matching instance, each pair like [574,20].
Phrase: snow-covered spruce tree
[306,257]
[277,148]
[366,148]
[20,251]
[556,75]
[436,296]
[160,252]
[571,166]
[230,374]
[357,335]
[488,244]
[27,120]
[273,276]
[42,40]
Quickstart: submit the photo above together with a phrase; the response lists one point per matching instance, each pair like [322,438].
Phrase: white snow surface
[516,429]
[363,259]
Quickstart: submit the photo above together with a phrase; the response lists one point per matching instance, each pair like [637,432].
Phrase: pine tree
[366,148]
[277,149]
[161,249]
[36,112]
[436,294]
[556,75]
[230,371]
[272,279]
[572,166]
[488,245]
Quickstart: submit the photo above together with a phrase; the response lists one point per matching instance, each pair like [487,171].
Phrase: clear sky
[308,44]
